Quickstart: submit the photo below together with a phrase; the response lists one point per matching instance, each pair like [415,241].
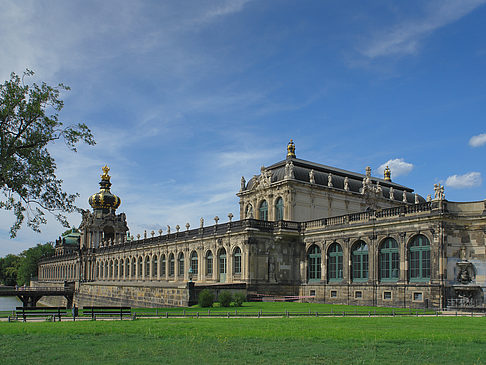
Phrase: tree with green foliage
[18,270]
[9,266]
[29,121]
[29,260]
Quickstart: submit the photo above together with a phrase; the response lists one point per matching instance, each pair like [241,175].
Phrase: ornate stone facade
[305,229]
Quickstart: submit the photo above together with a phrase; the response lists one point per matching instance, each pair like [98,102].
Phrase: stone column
[403,258]
[229,265]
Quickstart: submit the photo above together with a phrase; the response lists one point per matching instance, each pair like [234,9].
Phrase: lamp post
[190,274]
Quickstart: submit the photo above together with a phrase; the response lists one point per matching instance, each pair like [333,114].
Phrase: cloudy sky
[185,97]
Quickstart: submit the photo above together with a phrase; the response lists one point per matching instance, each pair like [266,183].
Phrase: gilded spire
[387,174]
[105,175]
[291,149]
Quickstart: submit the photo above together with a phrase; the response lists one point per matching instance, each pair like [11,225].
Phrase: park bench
[25,312]
[107,311]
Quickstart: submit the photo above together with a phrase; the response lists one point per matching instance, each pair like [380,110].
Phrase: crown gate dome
[104,199]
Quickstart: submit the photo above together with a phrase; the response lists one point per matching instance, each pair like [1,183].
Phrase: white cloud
[477,141]
[404,38]
[398,167]
[469,180]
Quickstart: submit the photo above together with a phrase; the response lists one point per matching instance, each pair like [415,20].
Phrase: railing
[368,215]
[465,303]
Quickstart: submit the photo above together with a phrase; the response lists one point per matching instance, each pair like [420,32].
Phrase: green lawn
[250,340]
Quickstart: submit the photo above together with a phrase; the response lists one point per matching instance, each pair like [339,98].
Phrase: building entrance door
[222,266]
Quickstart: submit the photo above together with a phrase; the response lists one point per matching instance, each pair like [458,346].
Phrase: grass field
[305,340]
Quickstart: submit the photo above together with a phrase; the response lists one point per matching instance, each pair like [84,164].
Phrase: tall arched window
[237,260]
[263,211]
[106,270]
[147,267]
[181,265]
[140,268]
[314,263]
[194,263]
[154,267]
[115,271]
[335,262]
[122,269]
[209,263]
[419,259]
[171,265]
[133,273]
[162,266]
[360,261]
[279,209]
[389,260]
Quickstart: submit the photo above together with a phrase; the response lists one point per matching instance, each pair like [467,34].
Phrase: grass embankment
[276,340]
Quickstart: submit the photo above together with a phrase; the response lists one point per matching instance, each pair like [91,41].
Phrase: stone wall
[132,295]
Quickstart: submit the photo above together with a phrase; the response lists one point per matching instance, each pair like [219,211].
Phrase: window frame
[360,262]
[389,261]
[335,266]
[314,264]
[419,268]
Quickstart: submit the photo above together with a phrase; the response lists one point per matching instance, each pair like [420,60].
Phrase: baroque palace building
[306,230]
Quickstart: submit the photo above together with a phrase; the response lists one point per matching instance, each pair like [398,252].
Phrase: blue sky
[185,97]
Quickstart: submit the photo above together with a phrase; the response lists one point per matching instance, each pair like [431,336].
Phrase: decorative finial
[230,216]
[291,149]
[187,226]
[178,228]
[160,232]
[105,175]
[387,174]
[216,219]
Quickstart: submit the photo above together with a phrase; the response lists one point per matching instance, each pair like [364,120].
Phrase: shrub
[225,298]
[239,299]
[206,298]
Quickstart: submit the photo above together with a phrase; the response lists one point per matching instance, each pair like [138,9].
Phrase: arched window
[360,261]
[115,272]
[154,267]
[171,265]
[194,263]
[237,260]
[209,263]
[133,273]
[419,259]
[263,211]
[314,263]
[162,266]
[140,268]
[389,260]
[249,211]
[279,209]
[147,267]
[335,262]
[106,270]
[181,265]
[122,267]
